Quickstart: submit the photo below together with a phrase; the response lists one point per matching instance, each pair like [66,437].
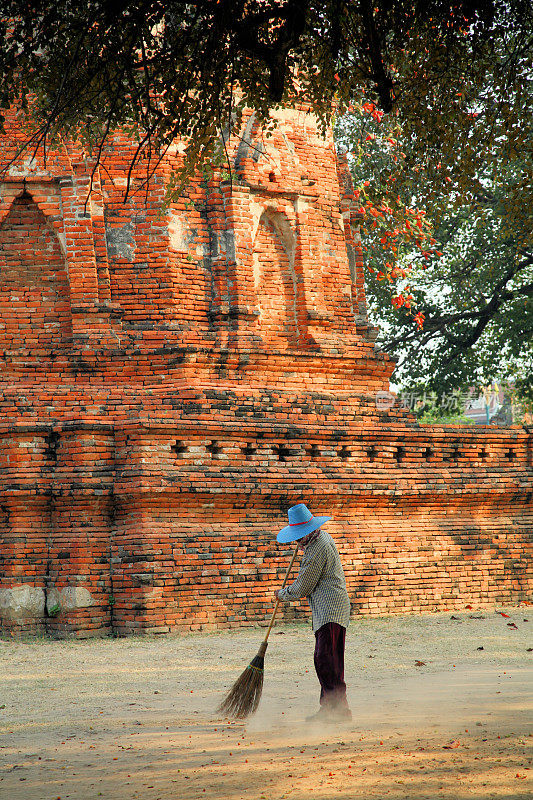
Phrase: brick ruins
[173,380]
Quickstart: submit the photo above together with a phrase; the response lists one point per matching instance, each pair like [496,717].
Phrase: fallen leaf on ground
[512,625]
[503,614]
[452,745]
[420,663]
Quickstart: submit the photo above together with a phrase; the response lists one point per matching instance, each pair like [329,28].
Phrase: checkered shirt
[321,580]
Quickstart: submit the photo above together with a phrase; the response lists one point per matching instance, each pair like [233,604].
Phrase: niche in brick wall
[35,315]
[275,280]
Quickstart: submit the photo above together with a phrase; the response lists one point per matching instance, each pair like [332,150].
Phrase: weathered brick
[172,381]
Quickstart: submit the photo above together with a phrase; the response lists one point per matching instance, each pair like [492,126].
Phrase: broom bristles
[245,694]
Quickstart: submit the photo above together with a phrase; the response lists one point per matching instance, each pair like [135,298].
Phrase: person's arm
[308,577]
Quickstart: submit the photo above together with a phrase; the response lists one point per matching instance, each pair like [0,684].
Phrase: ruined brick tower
[171,381]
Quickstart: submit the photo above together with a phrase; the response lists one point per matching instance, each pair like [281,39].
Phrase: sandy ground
[134,718]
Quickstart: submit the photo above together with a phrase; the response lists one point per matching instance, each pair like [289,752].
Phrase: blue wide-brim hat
[301,522]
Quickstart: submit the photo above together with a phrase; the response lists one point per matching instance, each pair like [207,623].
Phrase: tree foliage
[175,69]
[464,262]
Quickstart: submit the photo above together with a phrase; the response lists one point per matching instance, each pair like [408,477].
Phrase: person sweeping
[321,580]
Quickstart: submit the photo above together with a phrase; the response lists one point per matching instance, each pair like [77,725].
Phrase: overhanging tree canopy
[176,69]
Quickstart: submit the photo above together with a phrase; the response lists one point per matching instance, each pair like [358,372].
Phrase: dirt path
[125,719]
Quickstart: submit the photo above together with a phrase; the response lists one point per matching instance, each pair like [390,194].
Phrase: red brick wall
[34,291]
[172,381]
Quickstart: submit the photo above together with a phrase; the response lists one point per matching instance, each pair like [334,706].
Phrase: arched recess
[275,279]
[35,311]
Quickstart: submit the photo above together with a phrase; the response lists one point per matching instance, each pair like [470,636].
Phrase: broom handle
[273,617]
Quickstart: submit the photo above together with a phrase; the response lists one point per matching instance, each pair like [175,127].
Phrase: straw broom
[245,694]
